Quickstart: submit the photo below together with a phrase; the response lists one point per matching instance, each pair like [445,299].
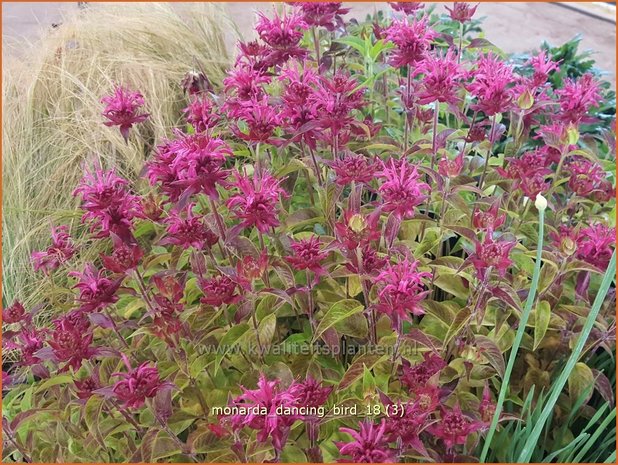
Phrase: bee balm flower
[122,110]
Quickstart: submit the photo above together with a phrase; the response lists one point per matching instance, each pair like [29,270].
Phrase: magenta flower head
[441,81]
[353,168]
[86,387]
[454,427]
[263,404]
[108,204]
[400,290]
[442,78]
[402,189]
[415,377]
[412,41]
[201,114]
[586,176]
[324,14]
[283,34]
[257,202]
[261,120]
[137,385]
[489,220]
[577,97]
[96,291]
[186,229]
[311,393]
[124,258]
[594,245]
[369,262]
[29,342]
[368,445]
[451,168]
[492,85]
[197,164]
[492,254]
[15,313]
[61,250]
[408,8]
[219,290]
[71,344]
[462,11]
[542,66]
[308,256]
[122,109]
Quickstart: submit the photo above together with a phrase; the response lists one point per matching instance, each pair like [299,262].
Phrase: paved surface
[514,27]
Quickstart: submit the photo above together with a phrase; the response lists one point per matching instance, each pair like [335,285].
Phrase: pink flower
[122,109]
[195,83]
[454,427]
[15,313]
[197,164]
[542,66]
[409,8]
[412,41]
[369,444]
[586,176]
[87,386]
[416,377]
[451,168]
[137,385]
[370,261]
[577,97]
[268,396]
[402,189]
[356,230]
[353,168]
[250,268]
[594,245]
[61,250]
[218,291]
[492,85]
[400,290]
[407,426]
[108,204]
[489,220]
[186,229]
[29,342]
[311,393]
[126,257]
[441,80]
[307,256]
[261,120]
[71,344]
[201,114]
[333,101]
[487,408]
[492,254]
[95,290]
[257,202]
[283,34]
[325,14]
[244,84]
[462,11]
[170,289]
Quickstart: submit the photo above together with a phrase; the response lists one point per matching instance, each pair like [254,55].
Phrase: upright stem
[489,151]
[258,162]
[316,44]
[434,139]
[116,330]
[315,165]
[461,28]
[310,300]
[406,128]
[263,247]
[220,227]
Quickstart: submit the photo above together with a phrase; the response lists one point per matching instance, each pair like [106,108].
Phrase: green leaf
[542,316]
[492,353]
[581,381]
[55,381]
[354,326]
[229,340]
[336,313]
[92,411]
[461,319]
[357,369]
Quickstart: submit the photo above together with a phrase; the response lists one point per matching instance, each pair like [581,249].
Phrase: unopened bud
[540,203]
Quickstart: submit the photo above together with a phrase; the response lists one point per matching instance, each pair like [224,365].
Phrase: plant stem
[461,30]
[518,337]
[116,330]
[221,228]
[316,44]
[489,151]
[434,137]
[12,439]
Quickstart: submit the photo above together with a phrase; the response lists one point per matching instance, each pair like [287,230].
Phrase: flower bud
[540,203]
